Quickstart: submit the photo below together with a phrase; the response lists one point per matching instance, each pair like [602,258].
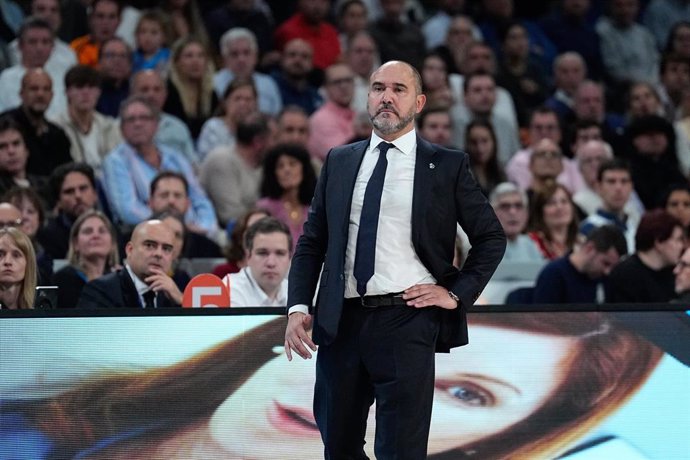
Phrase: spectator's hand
[429,295]
[160,282]
[296,336]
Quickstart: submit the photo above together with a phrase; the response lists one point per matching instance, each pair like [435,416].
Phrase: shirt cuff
[299,308]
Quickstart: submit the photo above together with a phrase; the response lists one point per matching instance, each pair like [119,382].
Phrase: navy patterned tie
[369,222]
[149,299]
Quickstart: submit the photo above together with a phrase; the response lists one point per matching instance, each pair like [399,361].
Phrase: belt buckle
[364,303]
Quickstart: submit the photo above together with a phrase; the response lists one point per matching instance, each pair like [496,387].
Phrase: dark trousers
[384,354]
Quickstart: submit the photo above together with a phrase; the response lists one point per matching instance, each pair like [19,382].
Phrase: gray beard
[387,126]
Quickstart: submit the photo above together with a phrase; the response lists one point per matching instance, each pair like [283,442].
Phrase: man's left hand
[429,295]
[162,283]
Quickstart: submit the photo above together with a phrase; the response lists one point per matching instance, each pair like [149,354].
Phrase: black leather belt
[376,301]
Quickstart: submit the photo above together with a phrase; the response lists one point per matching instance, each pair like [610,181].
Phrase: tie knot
[384,146]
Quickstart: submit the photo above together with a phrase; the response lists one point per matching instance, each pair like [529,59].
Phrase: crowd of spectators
[163,129]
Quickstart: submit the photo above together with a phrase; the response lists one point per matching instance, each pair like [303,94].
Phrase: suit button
[342,277]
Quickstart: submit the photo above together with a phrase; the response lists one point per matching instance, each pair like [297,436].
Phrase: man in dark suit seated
[383,226]
[144,281]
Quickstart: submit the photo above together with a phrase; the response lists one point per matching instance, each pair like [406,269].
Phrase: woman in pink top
[288,186]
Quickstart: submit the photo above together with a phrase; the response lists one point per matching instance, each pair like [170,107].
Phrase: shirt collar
[139,284]
[266,299]
[405,143]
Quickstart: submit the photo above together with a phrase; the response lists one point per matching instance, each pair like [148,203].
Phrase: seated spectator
[73,189]
[129,169]
[628,49]
[170,193]
[231,14]
[351,18]
[553,221]
[238,100]
[91,134]
[29,204]
[263,282]
[149,85]
[678,37]
[569,71]
[482,150]
[545,164]
[674,78]
[510,204]
[152,37]
[589,105]
[520,74]
[287,186]
[234,252]
[103,21]
[544,124]
[175,221]
[292,77]
[191,97]
[396,39]
[144,281]
[661,15]
[579,277]
[647,275]
[18,275]
[333,123]
[36,43]
[231,175]
[614,186]
[461,32]
[115,65]
[676,202]
[292,126]
[362,57]
[682,278]
[13,158]
[653,157]
[479,93]
[309,23]
[240,53]
[46,142]
[435,125]
[92,253]
[435,82]
[62,57]
[185,18]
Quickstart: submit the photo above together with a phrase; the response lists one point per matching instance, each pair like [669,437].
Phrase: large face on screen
[481,389]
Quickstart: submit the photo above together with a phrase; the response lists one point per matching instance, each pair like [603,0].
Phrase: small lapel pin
[432,166]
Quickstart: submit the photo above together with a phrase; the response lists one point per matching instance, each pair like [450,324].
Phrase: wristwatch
[454,297]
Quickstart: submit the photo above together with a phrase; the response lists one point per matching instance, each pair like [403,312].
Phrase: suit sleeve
[477,218]
[311,247]
[94,296]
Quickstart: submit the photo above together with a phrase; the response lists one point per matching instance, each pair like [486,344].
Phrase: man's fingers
[288,352]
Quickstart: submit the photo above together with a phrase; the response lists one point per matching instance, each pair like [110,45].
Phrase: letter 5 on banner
[206,291]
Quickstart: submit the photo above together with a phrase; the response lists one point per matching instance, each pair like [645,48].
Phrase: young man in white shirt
[263,282]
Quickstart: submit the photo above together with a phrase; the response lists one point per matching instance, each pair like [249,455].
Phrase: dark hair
[606,237]
[269,185]
[344,6]
[655,225]
[671,58]
[430,110]
[58,176]
[544,110]
[168,175]
[252,126]
[34,22]
[536,213]
[111,40]
[96,2]
[493,169]
[8,123]
[614,164]
[666,194]
[264,226]
[672,35]
[161,18]
[504,29]
[235,249]
[234,85]
[16,194]
[473,75]
[81,75]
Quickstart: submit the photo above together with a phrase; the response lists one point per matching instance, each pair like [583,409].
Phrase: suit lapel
[130,296]
[423,178]
[347,175]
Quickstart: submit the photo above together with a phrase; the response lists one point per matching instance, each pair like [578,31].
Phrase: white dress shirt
[245,291]
[141,287]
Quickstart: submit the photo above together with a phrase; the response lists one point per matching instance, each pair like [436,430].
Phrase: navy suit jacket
[116,290]
[445,194]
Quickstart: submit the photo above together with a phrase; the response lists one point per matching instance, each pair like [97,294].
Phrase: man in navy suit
[144,281]
[382,225]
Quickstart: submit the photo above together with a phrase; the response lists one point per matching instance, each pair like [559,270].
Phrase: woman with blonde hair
[18,271]
[92,253]
[191,96]
[239,399]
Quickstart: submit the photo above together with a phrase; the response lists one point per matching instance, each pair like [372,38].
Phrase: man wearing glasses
[129,169]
